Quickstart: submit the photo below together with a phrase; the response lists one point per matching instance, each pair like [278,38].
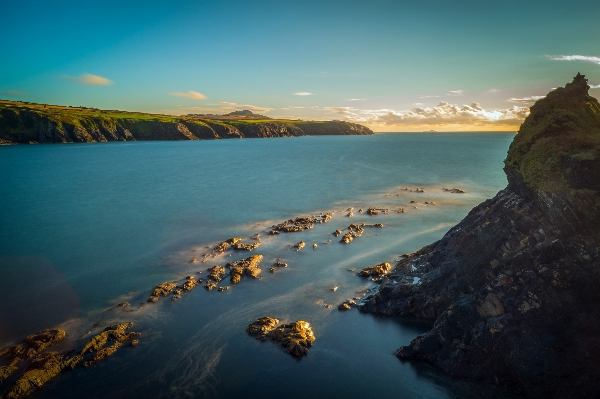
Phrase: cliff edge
[514,288]
[42,123]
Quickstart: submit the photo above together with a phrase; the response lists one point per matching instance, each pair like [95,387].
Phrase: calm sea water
[87,226]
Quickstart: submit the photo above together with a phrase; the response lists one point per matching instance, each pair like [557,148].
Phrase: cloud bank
[526,100]
[587,58]
[445,115]
[89,79]
[194,95]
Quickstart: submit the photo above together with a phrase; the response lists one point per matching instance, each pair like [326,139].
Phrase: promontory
[514,288]
[23,122]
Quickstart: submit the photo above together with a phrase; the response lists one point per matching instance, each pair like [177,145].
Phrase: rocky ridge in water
[296,337]
[514,287]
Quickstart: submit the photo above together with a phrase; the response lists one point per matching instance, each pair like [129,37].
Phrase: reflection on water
[91,229]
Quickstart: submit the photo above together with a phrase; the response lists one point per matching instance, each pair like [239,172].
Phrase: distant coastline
[31,123]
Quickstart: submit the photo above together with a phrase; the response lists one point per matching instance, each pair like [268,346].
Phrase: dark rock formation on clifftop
[514,288]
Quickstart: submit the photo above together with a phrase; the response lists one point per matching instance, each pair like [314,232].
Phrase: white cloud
[595,60]
[455,92]
[290,108]
[194,95]
[443,114]
[428,96]
[595,86]
[303,93]
[356,99]
[89,79]
[225,107]
[526,100]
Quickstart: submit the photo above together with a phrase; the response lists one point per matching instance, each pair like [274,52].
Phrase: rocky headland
[513,289]
[22,122]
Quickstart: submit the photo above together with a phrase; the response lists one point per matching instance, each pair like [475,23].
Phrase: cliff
[514,288]
[36,123]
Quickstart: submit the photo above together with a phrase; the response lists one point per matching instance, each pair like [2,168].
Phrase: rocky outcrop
[300,223]
[248,267]
[44,366]
[162,289]
[30,347]
[296,337]
[513,288]
[376,271]
[32,123]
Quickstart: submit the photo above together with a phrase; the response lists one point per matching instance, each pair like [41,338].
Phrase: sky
[390,65]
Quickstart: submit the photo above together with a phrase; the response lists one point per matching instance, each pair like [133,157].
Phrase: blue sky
[395,66]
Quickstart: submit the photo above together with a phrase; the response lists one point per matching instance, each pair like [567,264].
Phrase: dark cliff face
[514,288]
[22,125]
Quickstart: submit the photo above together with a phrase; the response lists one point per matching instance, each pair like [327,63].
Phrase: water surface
[87,226]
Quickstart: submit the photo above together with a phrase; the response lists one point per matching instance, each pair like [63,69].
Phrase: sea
[85,227]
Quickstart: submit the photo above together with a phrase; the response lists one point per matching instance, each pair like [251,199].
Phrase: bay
[87,226]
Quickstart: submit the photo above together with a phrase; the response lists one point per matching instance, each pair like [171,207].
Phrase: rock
[337,233]
[280,264]
[315,245]
[28,348]
[360,210]
[350,214]
[246,247]
[513,288]
[299,246]
[225,288]
[334,289]
[162,289]
[347,305]
[300,223]
[42,369]
[454,190]
[262,327]
[272,270]
[372,211]
[248,267]
[296,337]
[377,270]
[356,230]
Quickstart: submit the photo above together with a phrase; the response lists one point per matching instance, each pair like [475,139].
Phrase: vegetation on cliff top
[22,122]
[561,134]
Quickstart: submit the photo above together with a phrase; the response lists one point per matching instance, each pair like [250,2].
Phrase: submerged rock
[453,190]
[296,337]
